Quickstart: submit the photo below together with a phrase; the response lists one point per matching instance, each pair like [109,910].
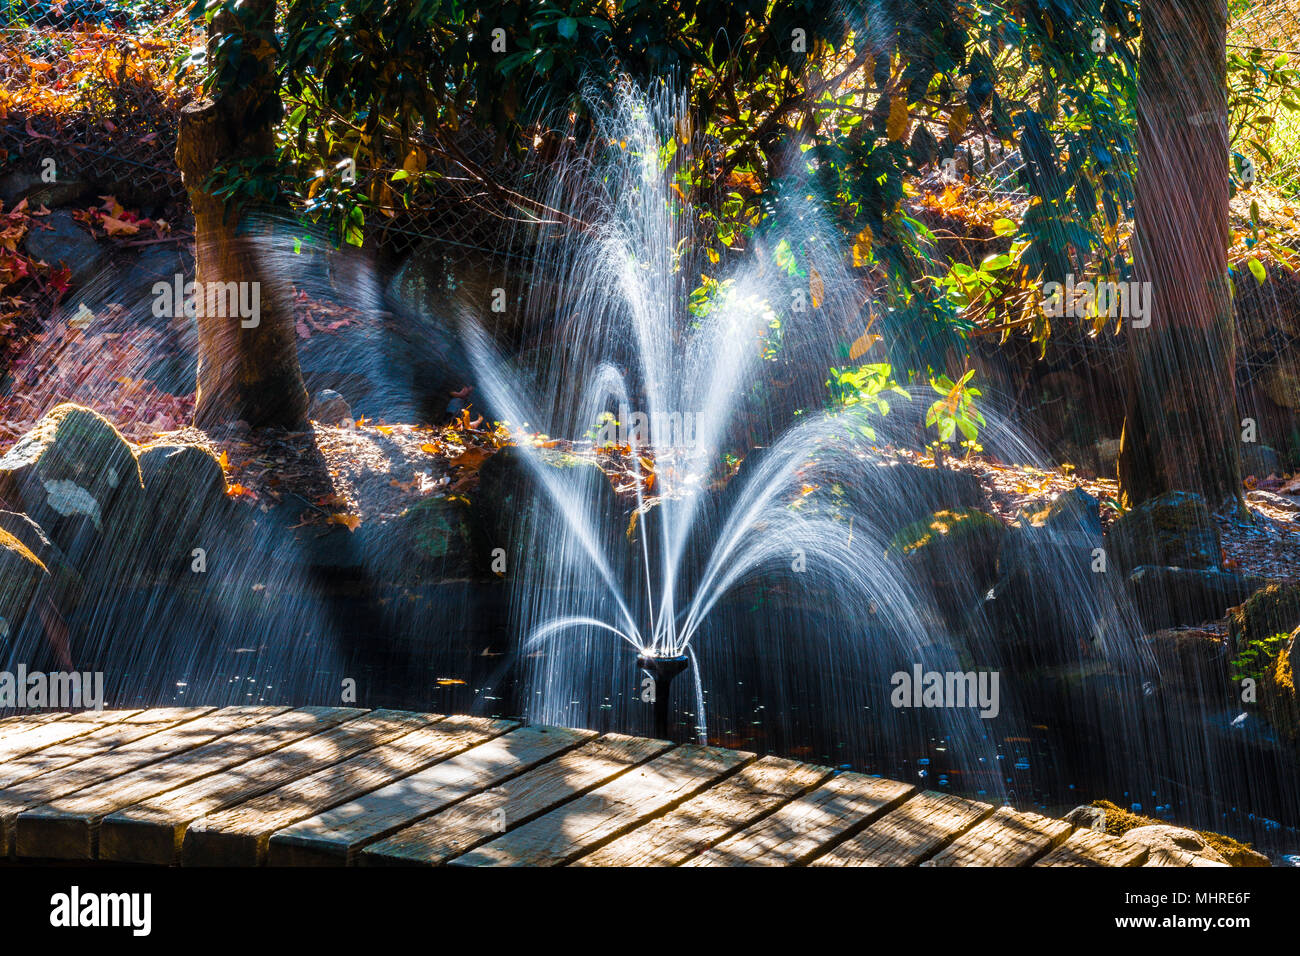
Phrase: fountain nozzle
[662,670]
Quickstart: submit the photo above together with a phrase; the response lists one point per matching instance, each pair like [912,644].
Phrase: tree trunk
[1181,429]
[248,365]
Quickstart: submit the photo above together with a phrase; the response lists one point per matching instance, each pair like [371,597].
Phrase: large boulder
[952,555]
[76,476]
[1054,597]
[1174,529]
[59,240]
[434,539]
[1192,660]
[1173,597]
[184,499]
[516,511]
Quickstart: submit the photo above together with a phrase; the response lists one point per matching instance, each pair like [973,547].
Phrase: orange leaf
[351,522]
[118,227]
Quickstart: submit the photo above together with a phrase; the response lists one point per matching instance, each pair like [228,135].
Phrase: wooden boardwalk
[247,786]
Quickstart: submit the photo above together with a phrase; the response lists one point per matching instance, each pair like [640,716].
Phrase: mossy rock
[1277,691]
[1274,609]
[183,505]
[22,576]
[513,507]
[954,552]
[75,475]
[439,534]
[65,583]
[1075,510]
[1119,821]
[1175,530]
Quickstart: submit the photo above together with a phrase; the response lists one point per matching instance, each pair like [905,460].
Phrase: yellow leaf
[415,162]
[429,449]
[862,247]
[816,288]
[957,121]
[896,125]
[224,461]
[862,345]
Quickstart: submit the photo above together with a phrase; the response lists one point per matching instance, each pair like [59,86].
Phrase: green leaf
[1257,270]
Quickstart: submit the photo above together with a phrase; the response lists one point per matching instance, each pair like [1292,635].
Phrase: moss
[9,543]
[1273,609]
[1119,821]
[959,524]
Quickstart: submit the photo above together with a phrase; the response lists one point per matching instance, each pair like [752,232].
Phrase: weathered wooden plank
[712,816]
[121,760]
[1007,838]
[20,723]
[53,732]
[100,740]
[484,816]
[908,834]
[801,828]
[1094,848]
[587,822]
[66,828]
[152,831]
[334,837]
[238,836]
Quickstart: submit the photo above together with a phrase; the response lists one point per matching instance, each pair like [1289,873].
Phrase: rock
[330,408]
[1280,379]
[1191,659]
[1279,502]
[65,583]
[1259,461]
[1075,510]
[75,475]
[516,512]
[58,239]
[434,538]
[1175,840]
[184,496]
[22,577]
[1174,529]
[1107,451]
[1174,597]
[1087,818]
[1277,691]
[953,554]
[1274,609]
[31,185]
[1049,604]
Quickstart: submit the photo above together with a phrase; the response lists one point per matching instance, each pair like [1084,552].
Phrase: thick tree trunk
[248,366]
[1181,430]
